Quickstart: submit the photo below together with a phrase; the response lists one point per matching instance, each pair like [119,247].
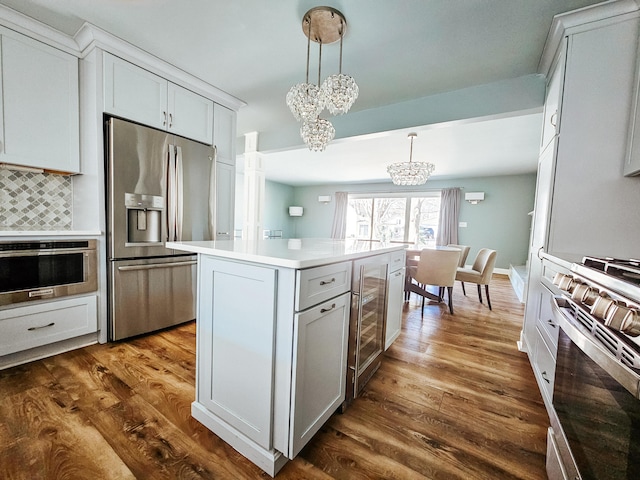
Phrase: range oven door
[598,418]
[150,294]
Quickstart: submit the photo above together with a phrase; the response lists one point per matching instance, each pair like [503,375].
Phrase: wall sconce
[295,211]
[474,197]
[324,198]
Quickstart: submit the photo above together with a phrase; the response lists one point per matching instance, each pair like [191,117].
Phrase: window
[394,218]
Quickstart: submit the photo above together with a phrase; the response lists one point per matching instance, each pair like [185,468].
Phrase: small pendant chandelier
[338,92]
[410,173]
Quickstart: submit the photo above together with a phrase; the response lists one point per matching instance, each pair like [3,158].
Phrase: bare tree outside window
[394,219]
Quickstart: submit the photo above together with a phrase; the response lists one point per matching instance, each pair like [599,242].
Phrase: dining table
[412,259]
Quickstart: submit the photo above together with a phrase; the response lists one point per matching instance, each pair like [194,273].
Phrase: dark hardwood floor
[454,398]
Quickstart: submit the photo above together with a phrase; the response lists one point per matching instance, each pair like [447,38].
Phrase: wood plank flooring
[453,399]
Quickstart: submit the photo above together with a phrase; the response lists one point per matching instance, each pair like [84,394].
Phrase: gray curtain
[339,227]
[449,214]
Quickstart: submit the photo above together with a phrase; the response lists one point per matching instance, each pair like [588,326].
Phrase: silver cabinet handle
[323,282]
[130,268]
[223,233]
[170,120]
[31,329]
[540,250]
[398,273]
[550,322]
[164,121]
[325,310]
[553,120]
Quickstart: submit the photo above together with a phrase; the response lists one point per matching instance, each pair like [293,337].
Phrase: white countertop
[288,253]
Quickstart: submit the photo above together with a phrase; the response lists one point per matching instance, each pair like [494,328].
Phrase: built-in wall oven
[596,407]
[35,270]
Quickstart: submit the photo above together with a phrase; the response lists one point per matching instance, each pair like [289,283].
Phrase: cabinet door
[553,99]
[40,124]
[395,297]
[236,345]
[539,235]
[320,361]
[190,114]
[225,200]
[224,134]
[134,93]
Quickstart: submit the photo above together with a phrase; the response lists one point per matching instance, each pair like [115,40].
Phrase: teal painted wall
[500,222]
[278,198]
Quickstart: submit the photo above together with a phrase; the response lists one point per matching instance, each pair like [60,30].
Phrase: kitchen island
[272,337]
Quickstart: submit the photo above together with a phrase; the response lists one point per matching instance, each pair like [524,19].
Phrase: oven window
[599,417]
[37,271]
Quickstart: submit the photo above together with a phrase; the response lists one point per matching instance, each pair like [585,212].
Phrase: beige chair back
[464,253]
[484,263]
[437,267]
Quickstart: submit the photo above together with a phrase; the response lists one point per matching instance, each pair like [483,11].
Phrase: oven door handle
[152,266]
[629,379]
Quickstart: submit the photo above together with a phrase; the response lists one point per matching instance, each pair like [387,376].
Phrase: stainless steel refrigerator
[160,188]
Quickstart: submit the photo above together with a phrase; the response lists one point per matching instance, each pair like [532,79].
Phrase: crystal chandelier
[410,173]
[338,92]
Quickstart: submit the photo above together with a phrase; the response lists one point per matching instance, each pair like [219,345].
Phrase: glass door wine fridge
[367,322]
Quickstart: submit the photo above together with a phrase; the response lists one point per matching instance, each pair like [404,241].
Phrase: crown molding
[580,20]
[37,30]
[89,37]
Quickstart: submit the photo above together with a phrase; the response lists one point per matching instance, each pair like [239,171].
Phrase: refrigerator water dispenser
[144,219]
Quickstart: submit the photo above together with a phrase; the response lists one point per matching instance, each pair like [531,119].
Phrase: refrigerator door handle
[179,194]
[171,195]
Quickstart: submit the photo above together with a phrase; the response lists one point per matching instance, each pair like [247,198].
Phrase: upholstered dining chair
[437,268]
[480,273]
[464,253]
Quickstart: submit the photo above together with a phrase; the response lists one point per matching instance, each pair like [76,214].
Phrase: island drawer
[315,285]
[397,260]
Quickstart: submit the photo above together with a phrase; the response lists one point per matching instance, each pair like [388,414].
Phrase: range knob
[631,323]
[564,282]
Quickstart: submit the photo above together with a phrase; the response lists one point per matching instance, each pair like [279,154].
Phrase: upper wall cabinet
[136,94]
[224,134]
[632,160]
[39,113]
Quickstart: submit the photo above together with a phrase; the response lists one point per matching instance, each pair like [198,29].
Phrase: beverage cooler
[367,322]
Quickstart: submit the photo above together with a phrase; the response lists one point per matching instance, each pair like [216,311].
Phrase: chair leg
[422,311]
[479,293]
[486,291]
[463,291]
[440,294]
[450,293]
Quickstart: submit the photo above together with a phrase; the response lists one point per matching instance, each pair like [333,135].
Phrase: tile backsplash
[35,201]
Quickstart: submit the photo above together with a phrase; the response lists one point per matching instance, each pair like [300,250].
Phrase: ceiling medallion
[410,173]
[338,92]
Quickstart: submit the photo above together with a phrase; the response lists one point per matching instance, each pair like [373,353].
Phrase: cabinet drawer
[546,323]
[396,260]
[316,285]
[545,365]
[28,327]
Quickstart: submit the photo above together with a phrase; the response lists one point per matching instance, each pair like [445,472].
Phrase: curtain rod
[396,192]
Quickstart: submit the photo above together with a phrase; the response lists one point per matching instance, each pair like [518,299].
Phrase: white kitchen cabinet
[272,342]
[553,99]
[236,325]
[39,119]
[31,326]
[583,202]
[136,94]
[225,201]
[320,362]
[632,159]
[224,134]
[395,297]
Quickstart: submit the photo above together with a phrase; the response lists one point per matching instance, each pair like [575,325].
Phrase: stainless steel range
[596,417]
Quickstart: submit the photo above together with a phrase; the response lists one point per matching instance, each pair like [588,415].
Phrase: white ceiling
[397,51]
